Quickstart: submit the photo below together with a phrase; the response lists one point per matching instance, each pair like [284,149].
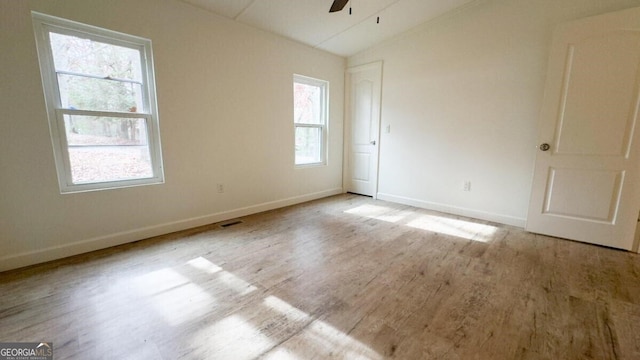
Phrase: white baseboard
[449,209]
[102,242]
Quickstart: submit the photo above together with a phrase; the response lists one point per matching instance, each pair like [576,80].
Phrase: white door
[585,184]
[364,87]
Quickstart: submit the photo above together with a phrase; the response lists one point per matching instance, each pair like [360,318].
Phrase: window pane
[308,145]
[307,104]
[84,56]
[107,149]
[79,92]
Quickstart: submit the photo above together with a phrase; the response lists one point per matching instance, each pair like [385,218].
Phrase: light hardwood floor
[345,277]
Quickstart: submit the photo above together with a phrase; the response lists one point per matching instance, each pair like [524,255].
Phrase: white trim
[455,210]
[116,114]
[368,66]
[102,242]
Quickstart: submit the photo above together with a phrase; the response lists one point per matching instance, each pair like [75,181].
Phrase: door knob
[545,147]
[373,142]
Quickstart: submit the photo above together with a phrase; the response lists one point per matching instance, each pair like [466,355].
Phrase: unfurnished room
[319,179]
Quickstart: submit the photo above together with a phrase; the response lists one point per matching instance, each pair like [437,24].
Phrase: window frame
[44,25]
[324,116]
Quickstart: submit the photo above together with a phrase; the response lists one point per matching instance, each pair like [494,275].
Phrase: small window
[310,110]
[101,103]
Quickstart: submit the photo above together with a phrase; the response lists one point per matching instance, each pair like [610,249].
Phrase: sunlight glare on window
[307,104]
[97,76]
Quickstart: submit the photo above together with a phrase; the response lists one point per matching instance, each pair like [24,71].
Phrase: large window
[310,110]
[100,95]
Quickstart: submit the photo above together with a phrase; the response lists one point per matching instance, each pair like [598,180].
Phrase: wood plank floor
[345,277]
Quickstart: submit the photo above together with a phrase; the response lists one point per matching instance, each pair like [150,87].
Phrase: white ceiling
[310,22]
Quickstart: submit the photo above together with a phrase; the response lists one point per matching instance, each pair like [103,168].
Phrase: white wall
[461,95]
[225,106]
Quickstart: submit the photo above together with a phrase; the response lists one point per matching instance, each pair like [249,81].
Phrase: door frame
[346,165]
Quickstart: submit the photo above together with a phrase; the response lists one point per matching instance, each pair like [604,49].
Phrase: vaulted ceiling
[309,21]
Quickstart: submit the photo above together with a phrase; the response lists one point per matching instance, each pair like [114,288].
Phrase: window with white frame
[101,103]
[310,109]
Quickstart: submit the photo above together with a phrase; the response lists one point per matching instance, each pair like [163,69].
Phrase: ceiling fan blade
[338,5]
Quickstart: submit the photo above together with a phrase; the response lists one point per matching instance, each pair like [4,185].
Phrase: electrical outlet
[467,186]
[220,188]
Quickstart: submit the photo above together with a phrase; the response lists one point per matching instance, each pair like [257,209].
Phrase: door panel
[586,186]
[361,166]
[363,119]
[363,128]
[583,194]
[598,96]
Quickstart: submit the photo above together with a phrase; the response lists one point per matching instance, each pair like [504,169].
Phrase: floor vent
[230,223]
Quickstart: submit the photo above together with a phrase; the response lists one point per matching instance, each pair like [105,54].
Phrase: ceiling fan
[338,5]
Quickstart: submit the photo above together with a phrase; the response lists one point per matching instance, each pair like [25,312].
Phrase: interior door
[585,184]
[364,84]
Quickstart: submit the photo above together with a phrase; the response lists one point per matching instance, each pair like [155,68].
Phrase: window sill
[311,165]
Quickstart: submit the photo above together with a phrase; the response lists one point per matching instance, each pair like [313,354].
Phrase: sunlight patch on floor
[378,212]
[244,334]
[281,354]
[328,337]
[464,229]
[454,227]
[178,298]
[235,283]
[205,265]
[159,281]
[173,295]
[231,338]
[231,281]
[319,335]
[285,309]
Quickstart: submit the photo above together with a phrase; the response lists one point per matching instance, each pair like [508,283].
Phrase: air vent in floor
[230,223]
